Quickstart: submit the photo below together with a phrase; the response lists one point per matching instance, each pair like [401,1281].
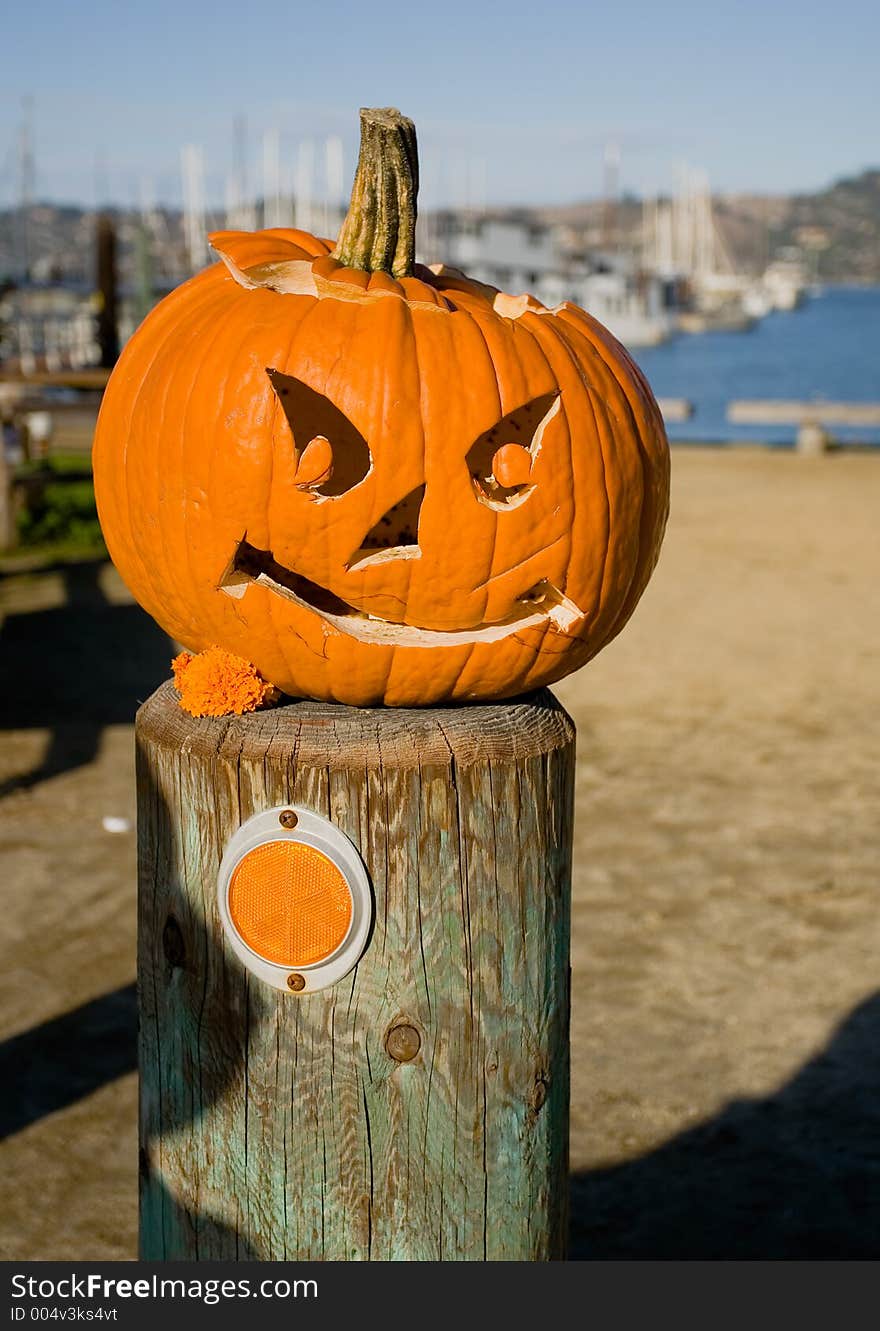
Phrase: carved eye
[332,456]
[501,461]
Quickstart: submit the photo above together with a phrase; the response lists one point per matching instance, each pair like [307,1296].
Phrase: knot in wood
[172,942]
[403,1042]
[538,1095]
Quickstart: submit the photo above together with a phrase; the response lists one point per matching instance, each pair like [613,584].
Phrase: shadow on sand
[57,1063]
[795,1175]
[192,1052]
[75,669]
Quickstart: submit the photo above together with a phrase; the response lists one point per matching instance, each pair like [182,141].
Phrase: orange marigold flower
[215,683]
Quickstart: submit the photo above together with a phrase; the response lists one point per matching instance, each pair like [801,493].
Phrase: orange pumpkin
[379,483]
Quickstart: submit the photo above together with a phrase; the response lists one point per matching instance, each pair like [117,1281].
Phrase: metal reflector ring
[295,902]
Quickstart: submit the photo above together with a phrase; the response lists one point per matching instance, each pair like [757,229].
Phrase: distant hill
[837,230]
[844,221]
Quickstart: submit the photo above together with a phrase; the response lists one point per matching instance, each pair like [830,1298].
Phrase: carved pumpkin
[377,482]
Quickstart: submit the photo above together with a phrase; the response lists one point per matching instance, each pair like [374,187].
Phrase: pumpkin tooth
[235,588]
[233,581]
[562,613]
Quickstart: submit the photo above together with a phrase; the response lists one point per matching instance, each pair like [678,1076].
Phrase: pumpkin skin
[529,443]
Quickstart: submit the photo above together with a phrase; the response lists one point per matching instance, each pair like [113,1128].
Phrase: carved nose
[395,535]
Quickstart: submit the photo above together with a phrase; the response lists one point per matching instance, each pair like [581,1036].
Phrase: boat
[631,304]
[516,254]
[785,282]
[682,242]
[731,318]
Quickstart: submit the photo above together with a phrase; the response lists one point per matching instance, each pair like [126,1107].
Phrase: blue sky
[513,102]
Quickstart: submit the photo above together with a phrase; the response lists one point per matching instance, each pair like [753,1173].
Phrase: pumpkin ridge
[149,467]
[285,244]
[128,461]
[525,560]
[167,577]
[505,353]
[408,333]
[292,234]
[99,448]
[443,412]
[294,333]
[644,416]
[499,411]
[408,336]
[222,606]
[645,420]
[190,443]
[269,610]
[605,437]
[597,436]
[470,651]
[531,333]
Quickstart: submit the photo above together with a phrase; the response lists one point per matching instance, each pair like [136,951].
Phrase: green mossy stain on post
[279,1126]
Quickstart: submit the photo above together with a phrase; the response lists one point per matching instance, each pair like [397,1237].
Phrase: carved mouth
[541,604]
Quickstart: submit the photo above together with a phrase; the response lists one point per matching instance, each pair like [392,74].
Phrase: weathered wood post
[382,484]
[8,529]
[107,284]
[418,1109]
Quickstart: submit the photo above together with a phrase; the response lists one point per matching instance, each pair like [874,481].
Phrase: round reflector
[289,903]
[294,899]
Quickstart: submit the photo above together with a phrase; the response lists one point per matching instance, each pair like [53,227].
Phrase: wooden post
[108,314]
[8,527]
[812,439]
[418,1109]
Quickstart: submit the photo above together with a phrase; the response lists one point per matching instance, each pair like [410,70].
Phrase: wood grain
[279,1127]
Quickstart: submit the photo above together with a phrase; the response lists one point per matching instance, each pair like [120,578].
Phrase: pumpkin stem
[379,233]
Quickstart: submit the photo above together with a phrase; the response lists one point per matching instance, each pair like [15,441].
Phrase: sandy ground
[726,1021]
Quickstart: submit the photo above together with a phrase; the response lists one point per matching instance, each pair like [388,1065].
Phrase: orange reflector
[290,903]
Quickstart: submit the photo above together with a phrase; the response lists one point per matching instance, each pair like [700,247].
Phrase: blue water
[828,348]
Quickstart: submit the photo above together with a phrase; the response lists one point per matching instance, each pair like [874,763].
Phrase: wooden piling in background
[418,1109]
[8,530]
[107,284]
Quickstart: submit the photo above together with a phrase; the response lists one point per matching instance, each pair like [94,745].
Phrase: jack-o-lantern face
[391,580]
[377,490]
